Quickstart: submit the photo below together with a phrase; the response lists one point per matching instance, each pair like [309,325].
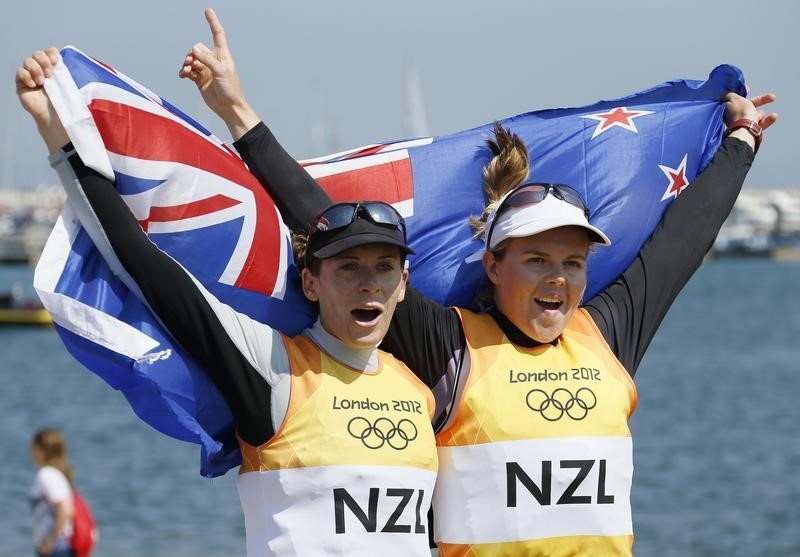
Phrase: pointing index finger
[217,31]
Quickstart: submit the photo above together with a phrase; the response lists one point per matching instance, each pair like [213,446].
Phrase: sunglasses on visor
[530,194]
[342,215]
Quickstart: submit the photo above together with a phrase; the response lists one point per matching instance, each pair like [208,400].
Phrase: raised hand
[214,73]
[738,107]
[29,79]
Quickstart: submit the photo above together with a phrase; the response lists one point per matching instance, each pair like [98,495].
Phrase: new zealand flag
[196,200]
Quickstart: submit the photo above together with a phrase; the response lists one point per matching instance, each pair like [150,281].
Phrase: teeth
[549,299]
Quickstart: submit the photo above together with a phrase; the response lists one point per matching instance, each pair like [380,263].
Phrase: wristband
[750,125]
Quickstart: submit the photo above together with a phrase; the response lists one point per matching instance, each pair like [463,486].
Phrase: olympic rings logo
[562,401]
[383,431]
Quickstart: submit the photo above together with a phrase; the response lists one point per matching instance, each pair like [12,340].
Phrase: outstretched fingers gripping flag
[629,158]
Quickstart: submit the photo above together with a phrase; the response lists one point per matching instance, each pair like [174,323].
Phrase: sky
[327,76]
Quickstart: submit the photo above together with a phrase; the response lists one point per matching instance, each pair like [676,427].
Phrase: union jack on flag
[196,200]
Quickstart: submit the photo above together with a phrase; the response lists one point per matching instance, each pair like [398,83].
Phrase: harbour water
[716,434]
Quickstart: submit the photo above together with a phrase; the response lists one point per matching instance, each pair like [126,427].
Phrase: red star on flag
[620,116]
[677,179]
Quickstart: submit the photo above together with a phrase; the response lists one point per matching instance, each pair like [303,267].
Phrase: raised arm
[631,309]
[425,335]
[296,194]
[241,356]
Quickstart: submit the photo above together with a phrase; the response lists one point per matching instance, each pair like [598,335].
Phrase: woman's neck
[362,359]
[513,332]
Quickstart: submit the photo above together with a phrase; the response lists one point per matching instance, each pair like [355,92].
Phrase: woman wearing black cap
[337,446]
[532,397]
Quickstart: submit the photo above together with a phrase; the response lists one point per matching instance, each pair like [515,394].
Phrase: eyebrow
[534,251]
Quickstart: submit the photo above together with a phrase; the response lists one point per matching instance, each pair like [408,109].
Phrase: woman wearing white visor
[533,396]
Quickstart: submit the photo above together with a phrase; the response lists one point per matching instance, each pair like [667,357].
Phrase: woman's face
[357,292]
[540,280]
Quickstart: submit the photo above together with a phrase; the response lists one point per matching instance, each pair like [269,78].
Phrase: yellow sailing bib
[538,458]
[351,470]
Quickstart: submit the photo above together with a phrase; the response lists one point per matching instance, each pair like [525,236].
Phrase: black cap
[324,244]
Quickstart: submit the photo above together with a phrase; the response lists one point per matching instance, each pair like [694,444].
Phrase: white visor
[549,213]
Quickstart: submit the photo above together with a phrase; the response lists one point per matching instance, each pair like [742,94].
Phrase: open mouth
[549,303]
[363,315]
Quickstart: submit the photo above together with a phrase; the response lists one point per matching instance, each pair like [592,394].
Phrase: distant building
[26,218]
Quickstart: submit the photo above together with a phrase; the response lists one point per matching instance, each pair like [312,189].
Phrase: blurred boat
[15,310]
[763,223]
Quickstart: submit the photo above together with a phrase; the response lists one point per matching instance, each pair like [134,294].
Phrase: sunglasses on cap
[342,215]
[532,193]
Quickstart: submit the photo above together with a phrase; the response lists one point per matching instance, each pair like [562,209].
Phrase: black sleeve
[429,339]
[630,310]
[180,305]
[296,194]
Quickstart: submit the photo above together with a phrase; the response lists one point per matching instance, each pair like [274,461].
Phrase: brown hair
[508,168]
[54,448]
[299,247]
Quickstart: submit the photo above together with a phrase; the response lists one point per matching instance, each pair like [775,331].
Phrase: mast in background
[416,120]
